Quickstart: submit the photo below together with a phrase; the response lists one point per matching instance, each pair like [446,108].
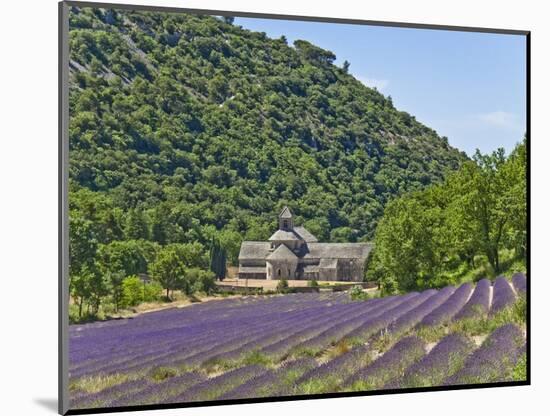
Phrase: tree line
[184,124]
[448,232]
[122,273]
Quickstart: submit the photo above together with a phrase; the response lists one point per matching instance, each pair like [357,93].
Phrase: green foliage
[345,66]
[90,286]
[136,226]
[185,126]
[127,257]
[132,290]
[116,289]
[313,54]
[313,283]
[482,324]
[197,280]
[152,292]
[282,286]
[162,373]
[320,385]
[230,241]
[82,243]
[135,291]
[437,236]
[519,372]
[357,293]
[170,266]
[217,260]
[257,358]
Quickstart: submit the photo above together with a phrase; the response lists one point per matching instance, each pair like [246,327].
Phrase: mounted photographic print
[262,208]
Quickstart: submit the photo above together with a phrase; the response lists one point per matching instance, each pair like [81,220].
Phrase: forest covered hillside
[185,127]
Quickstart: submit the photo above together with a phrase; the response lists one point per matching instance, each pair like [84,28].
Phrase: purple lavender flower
[217,386]
[300,335]
[328,376]
[159,392]
[445,312]
[174,337]
[503,295]
[389,366]
[338,329]
[253,387]
[413,317]
[443,360]
[520,283]
[494,360]
[104,397]
[478,305]
[380,321]
[223,334]
[272,383]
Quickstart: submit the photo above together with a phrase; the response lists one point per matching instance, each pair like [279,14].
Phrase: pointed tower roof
[282,252]
[285,213]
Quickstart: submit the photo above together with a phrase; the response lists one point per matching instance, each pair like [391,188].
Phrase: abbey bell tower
[286,221]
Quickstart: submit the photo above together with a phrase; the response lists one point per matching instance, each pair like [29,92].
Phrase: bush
[388,286]
[132,291]
[153,292]
[198,280]
[135,291]
[357,293]
[282,286]
[162,373]
[313,283]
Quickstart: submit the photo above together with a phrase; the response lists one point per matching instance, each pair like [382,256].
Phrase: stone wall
[281,269]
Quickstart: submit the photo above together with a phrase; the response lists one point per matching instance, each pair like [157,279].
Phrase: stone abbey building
[293,253]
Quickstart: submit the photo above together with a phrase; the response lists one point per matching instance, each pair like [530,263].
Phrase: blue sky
[469,87]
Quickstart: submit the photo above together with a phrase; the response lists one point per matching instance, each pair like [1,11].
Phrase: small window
[279,272]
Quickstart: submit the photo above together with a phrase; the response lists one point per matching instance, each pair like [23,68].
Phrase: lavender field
[296,344]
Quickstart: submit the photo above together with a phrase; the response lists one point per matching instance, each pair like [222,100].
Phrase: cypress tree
[218,258]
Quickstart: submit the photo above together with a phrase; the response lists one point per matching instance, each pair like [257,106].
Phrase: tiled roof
[254,250]
[282,235]
[260,250]
[338,250]
[305,234]
[282,252]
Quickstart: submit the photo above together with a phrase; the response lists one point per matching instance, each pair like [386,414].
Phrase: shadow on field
[49,404]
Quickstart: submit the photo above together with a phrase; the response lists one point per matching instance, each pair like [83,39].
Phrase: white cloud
[501,119]
[379,84]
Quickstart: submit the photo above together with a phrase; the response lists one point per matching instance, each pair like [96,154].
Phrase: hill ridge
[191,111]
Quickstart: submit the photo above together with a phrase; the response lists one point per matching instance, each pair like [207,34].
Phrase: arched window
[279,272]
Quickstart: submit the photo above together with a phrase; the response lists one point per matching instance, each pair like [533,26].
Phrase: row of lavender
[454,360]
[95,347]
[226,331]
